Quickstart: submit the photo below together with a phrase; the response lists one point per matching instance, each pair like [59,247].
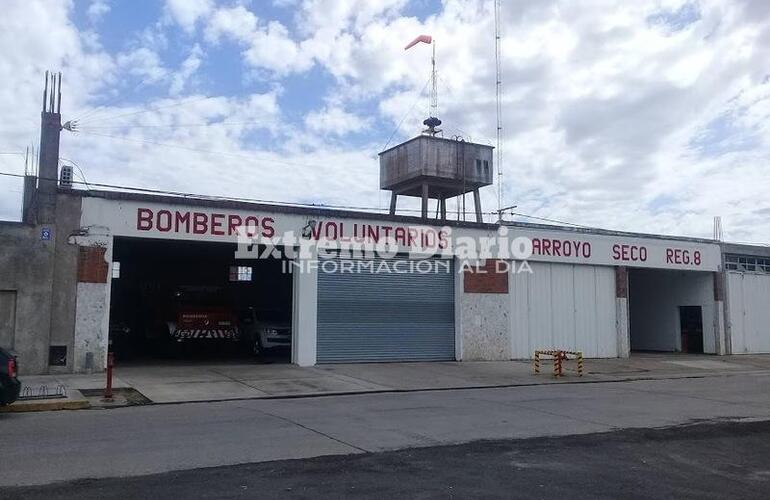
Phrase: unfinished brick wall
[621,282]
[92,267]
[489,278]
[719,286]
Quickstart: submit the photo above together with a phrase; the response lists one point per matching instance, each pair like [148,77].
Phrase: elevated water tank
[434,167]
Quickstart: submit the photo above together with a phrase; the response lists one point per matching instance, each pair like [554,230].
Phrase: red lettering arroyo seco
[629,253]
[561,248]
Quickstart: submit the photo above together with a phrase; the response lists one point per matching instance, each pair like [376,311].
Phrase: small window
[478,167]
[486,168]
[747,263]
[240,273]
[57,355]
[115,270]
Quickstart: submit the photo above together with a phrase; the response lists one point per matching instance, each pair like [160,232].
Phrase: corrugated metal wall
[368,316]
[749,298]
[564,306]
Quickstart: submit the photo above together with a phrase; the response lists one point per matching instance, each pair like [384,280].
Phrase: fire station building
[104,262]
[152,276]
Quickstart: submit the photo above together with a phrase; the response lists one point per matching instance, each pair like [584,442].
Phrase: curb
[75,402]
[30,406]
[80,404]
[404,391]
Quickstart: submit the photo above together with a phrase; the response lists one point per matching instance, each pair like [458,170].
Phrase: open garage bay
[183,300]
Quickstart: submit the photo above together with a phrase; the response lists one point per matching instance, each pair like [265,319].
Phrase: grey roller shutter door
[367,315]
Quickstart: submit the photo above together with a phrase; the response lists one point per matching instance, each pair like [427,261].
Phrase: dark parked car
[9,384]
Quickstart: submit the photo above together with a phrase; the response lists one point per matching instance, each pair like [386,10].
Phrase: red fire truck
[201,313]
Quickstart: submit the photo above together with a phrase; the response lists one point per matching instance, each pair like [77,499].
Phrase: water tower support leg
[424,201]
[442,205]
[393,198]
[477,202]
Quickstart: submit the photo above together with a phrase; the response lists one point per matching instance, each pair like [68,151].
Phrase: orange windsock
[422,38]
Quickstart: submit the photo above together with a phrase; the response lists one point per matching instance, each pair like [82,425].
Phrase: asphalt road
[42,448]
[723,460]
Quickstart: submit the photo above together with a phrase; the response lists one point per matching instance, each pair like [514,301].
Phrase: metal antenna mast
[432,122]
[718,235]
[499,99]
[433,89]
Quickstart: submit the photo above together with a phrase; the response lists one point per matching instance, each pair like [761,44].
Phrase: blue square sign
[45,234]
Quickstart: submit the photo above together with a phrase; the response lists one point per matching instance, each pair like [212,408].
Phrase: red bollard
[110,364]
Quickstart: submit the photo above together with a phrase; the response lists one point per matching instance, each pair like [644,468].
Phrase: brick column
[622,326]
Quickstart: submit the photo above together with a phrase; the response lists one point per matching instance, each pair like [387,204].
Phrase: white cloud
[237,23]
[143,63]
[188,68]
[335,121]
[97,10]
[272,48]
[187,12]
[340,15]
[267,45]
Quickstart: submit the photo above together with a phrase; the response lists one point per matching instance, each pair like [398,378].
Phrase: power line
[205,151]
[147,110]
[171,126]
[546,219]
[188,195]
[214,198]
[408,113]
[83,175]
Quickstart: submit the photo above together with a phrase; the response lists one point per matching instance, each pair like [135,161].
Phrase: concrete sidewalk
[175,382]
[54,446]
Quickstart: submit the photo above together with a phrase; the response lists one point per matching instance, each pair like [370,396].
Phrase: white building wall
[749,318]
[564,306]
[305,314]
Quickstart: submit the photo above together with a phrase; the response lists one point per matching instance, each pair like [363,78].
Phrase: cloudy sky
[642,116]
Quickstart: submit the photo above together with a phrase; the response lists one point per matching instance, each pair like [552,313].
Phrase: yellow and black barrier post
[559,356]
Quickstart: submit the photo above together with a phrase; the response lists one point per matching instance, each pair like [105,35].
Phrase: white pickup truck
[264,329]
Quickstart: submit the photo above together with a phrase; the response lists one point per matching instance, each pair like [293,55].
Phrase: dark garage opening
[691,326]
[666,311]
[184,300]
